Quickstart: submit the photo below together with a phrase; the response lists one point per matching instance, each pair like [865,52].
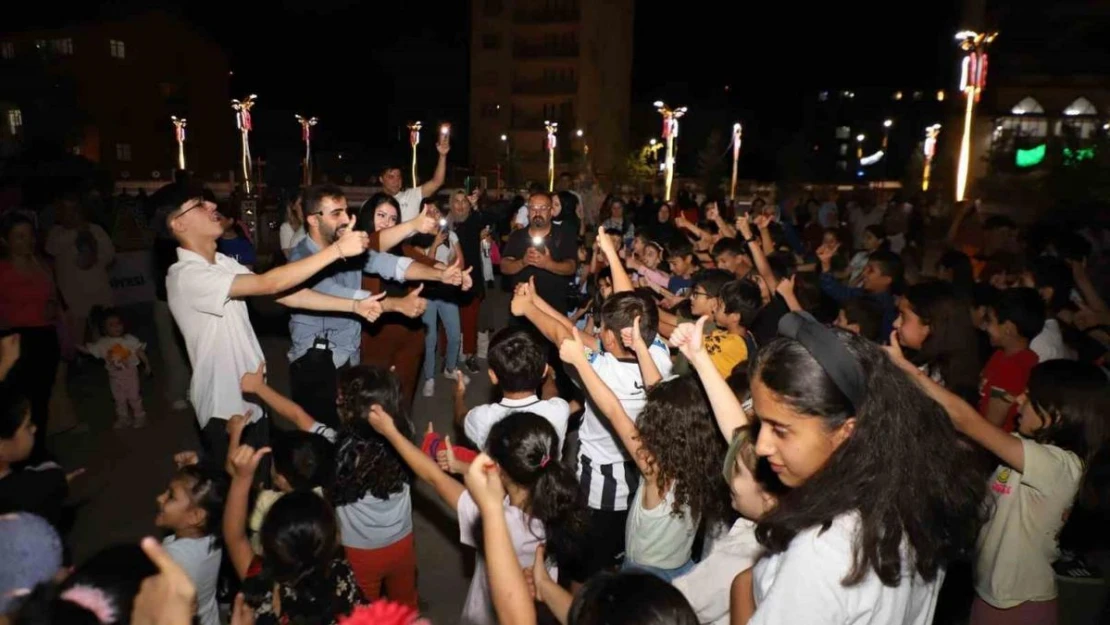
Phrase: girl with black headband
[881,498]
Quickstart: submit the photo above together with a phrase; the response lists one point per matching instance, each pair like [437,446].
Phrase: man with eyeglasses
[326,342]
[206,292]
[549,255]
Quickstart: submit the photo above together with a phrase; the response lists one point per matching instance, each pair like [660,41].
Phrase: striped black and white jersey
[606,472]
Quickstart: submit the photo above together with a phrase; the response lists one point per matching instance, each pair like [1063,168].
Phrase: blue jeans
[667,575]
[448,312]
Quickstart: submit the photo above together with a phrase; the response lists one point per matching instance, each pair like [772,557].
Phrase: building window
[843,149]
[491,41]
[40,45]
[842,165]
[7,50]
[823,96]
[843,132]
[119,51]
[62,46]
[123,152]
[15,121]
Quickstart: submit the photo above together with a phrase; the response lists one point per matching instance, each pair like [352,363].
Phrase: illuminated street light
[306,136]
[670,134]
[973,78]
[552,128]
[179,135]
[414,140]
[930,150]
[242,110]
[737,133]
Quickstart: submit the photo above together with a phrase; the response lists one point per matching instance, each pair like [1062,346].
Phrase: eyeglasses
[200,202]
[539,207]
[700,294]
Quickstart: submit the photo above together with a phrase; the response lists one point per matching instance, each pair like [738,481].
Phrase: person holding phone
[540,252]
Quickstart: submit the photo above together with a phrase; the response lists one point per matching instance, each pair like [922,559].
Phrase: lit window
[1081,106]
[916,95]
[843,149]
[62,46]
[842,165]
[843,132]
[119,51]
[1028,106]
[823,96]
[40,44]
[7,50]
[15,121]
[123,152]
[897,95]
[940,95]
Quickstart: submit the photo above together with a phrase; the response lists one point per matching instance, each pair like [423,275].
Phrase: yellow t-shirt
[726,350]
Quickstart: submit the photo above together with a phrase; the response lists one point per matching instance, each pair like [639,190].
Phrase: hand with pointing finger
[352,242]
[244,461]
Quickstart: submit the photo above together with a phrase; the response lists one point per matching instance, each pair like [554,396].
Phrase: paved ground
[127,469]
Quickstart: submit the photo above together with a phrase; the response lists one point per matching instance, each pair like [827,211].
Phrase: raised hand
[245,460]
[453,274]
[380,420]
[522,299]
[826,252]
[689,338]
[785,287]
[370,308]
[897,356]
[426,222]
[744,225]
[483,480]
[165,598]
[352,242]
[605,242]
[185,459]
[253,381]
[572,351]
[443,146]
[411,305]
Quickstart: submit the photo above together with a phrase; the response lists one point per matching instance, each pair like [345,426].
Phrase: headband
[829,352]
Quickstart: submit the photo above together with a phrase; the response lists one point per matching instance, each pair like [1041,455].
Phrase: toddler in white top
[122,354]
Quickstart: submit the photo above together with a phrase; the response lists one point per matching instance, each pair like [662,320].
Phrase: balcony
[559,50]
[545,87]
[546,16]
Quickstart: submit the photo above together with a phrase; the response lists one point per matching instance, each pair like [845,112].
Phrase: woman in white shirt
[882,498]
[292,229]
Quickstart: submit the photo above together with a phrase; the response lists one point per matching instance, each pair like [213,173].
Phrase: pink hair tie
[544,461]
[92,599]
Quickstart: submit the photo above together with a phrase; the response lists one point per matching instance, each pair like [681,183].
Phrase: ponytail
[526,447]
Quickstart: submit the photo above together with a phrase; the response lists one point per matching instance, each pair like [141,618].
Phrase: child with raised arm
[674,448]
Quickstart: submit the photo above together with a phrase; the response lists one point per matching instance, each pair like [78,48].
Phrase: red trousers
[397,343]
[391,568]
[468,317]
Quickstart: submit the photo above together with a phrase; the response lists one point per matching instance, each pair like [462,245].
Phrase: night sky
[316,57]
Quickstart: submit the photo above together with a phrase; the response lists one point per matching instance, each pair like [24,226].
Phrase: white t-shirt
[526,534]
[1050,345]
[200,557]
[708,584]
[218,333]
[409,199]
[1018,544]
[482,418]
[802,584]
[82,288]
[444,252]
[598,444]
[290,237]
[117,352]
[655,537]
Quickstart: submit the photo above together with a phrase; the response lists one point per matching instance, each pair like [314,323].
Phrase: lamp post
[242,110]
[581,134]
[859,147]
[973,78]
[552,128]
[887,123]
[414,140]
[670,134]
[930,150]
[179,135]
[737,131]
[306,136]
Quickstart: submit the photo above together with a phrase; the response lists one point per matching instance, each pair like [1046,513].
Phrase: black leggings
[33,375]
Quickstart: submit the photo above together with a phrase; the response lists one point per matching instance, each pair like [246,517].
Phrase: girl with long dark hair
[881,500]
[935,324]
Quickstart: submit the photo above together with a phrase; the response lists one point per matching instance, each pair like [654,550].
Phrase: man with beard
[541,252]
[325,343]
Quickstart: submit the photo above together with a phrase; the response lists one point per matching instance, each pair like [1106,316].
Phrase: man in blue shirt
[326,342]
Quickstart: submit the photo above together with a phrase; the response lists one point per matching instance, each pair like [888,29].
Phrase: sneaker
[429,387]
[471,364]
[1074,568]
[451,374]
[139,422]
[483,345]
[121,423]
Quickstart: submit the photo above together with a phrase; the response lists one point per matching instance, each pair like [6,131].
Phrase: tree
[636,169]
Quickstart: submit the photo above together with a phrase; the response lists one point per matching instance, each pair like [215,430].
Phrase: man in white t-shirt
[409,199]
[206,292]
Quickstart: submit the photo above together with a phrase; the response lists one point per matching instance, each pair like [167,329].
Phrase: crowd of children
[764,428]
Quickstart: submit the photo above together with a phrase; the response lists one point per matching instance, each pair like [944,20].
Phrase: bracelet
[751,239]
